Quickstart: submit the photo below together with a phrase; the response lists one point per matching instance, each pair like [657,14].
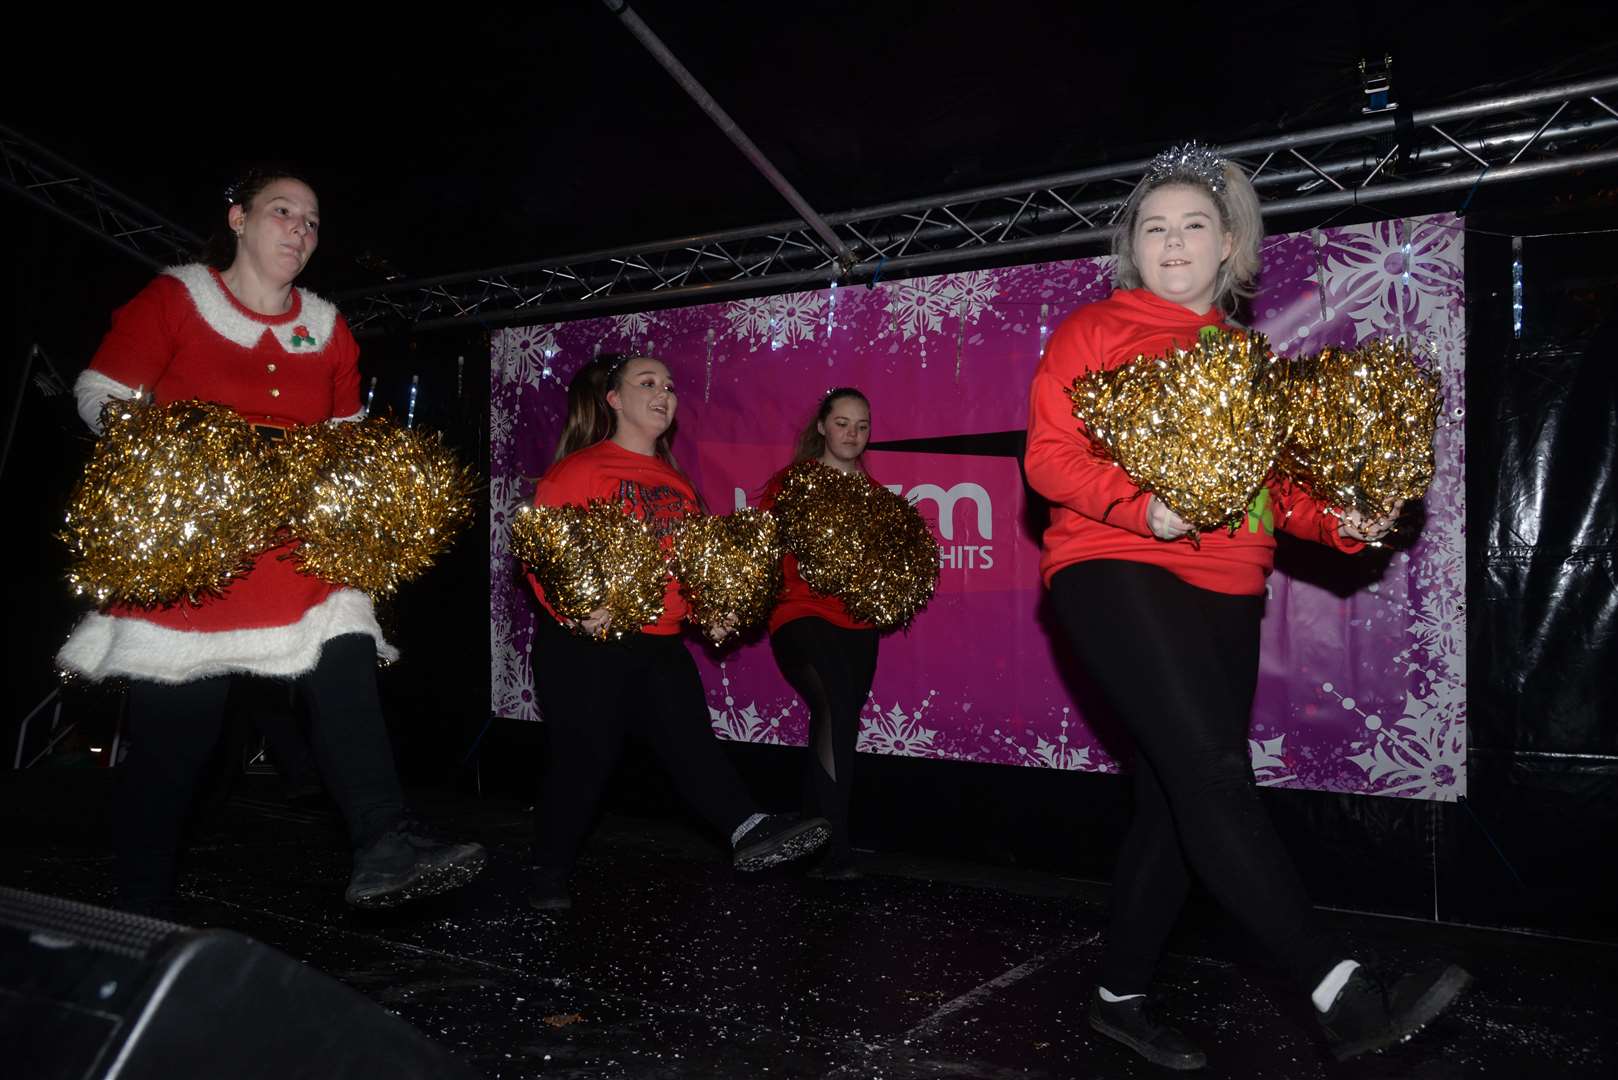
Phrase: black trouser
[831,669]
[1178,665]
[593,694]
[173,730]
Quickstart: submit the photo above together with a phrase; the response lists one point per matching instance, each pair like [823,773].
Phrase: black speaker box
[87,993]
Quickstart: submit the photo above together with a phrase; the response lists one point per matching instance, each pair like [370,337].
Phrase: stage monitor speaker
[92,994]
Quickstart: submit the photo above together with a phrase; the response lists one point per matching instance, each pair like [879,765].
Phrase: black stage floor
[673,966]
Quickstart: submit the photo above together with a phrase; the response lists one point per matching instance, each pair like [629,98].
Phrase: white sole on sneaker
[1439,996]
[431,881]
[1178,1062]
[804,838]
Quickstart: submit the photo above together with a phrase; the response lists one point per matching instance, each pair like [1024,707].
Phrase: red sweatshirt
[1062,466]
[798,600]
[645,486]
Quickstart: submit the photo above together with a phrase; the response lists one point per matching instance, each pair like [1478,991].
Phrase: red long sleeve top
[1097,512]
[797,599]
[646,487]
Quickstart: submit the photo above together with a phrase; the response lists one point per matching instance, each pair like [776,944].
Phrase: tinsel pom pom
[1362,427]
[858,542]
[593,557]
[374,504]
[1200,428]
[729,567]
[174,503]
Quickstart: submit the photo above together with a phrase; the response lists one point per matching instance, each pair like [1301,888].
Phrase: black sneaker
[402,865]
[1132,1023]
[780,838]
[1369,1015]
[548,891]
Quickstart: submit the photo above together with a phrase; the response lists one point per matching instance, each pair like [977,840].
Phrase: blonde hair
[1239,216]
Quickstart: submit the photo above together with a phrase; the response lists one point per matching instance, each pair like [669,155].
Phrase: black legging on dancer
[831,668]
[593,694]
[1177,665]
[174,729]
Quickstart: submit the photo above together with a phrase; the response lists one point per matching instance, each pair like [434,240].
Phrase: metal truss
[62,188]
[1400,154]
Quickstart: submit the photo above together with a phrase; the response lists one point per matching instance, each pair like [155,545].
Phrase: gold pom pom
[729,567]
[858,542]
[174,503]
[373,503]
[593,557]
[1200,428]
[1362,427]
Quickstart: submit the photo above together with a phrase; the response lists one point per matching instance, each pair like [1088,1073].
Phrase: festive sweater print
[1097,512]
[645,486]
[185,336]
[798,600]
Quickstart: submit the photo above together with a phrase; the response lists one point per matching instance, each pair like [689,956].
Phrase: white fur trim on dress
[93,390]
[351,418]
[317,316]
[103,646]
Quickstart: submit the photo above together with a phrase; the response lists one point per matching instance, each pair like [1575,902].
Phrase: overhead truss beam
[59,187]
[1502,139]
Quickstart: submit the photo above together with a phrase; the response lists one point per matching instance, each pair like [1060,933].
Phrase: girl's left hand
[722,629]
[1356,526]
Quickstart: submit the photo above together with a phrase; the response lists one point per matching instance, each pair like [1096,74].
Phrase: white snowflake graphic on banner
[898,732]
[1438,624]
[511,678]
[970,294]
[776,320]
[635,326]
[1444,347]
[505,499]
[1060,753]
[524,358]
[502,427]
[1391,276]
[915,308]
[747,724]
[1421,755]
[920,307]
[1269,760]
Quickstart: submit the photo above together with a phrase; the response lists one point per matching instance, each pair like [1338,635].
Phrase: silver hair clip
[1188,161]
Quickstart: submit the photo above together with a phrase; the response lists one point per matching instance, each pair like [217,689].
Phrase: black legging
[1177,665]
[592,694]
[831,668]
[173,731]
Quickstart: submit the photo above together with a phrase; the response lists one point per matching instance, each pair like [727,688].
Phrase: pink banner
[1362,685]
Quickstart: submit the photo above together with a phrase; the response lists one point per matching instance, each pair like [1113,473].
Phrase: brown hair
[811,442]
[590,418]
[220,250]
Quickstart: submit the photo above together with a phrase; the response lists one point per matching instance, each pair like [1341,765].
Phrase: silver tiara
[1192,161]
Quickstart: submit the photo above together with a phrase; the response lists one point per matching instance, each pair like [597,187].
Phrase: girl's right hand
[1165,523]
[594,624]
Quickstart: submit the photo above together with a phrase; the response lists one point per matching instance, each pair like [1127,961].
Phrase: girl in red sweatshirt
[593,692]
[1169,631]
[827,655]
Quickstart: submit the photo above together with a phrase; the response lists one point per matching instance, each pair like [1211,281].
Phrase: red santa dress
[186,336]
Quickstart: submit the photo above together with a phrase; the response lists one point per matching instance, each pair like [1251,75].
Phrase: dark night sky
[457,139]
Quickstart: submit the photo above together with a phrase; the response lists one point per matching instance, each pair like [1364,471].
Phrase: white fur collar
[316,317]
